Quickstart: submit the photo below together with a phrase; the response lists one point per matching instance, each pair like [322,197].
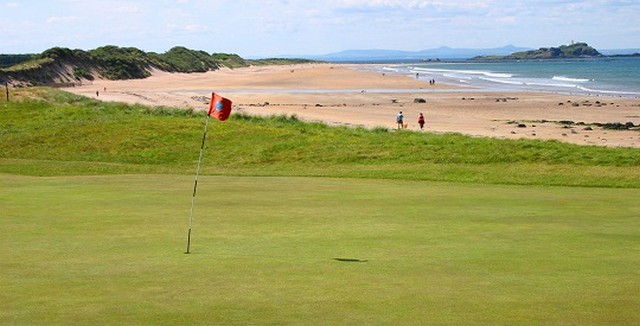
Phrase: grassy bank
[57,133]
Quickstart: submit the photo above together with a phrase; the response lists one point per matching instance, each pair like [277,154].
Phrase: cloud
[189,28]
[61,20]
[130,9]
[407,5]
[195,28]
[296,26]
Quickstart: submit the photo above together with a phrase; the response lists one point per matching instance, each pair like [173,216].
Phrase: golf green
[109,250]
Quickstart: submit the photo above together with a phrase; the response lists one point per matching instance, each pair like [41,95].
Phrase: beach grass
[295,250]
[49,132]
[29,65]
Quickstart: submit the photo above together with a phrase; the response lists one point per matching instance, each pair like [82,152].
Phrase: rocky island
[572,51]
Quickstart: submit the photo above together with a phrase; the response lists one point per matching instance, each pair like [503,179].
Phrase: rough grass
[29,65]
[49,132]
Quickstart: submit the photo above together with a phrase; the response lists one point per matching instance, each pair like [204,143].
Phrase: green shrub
[79,73]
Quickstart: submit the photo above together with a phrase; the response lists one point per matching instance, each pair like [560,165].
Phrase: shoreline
[348,95]
[520,76]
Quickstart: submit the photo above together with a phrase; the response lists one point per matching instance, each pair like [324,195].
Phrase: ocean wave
[516,77]
[425,70]
[497,75]
[552,85]
[503,81]
[571,80]
[601,91]
[528,83]
[454,76]
[462,72]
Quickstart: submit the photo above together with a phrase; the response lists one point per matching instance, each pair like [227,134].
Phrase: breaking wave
[617,77]
[571,80]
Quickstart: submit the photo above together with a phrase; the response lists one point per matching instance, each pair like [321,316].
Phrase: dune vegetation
[64,66]
[52,128]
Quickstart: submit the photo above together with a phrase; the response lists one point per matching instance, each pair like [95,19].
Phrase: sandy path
[347,95]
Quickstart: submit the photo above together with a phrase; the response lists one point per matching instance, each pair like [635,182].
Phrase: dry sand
[352,96]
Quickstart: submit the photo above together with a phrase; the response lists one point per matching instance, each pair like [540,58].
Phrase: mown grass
[109,250]
[54,128]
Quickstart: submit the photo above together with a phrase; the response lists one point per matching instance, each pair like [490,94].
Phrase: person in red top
[421,121]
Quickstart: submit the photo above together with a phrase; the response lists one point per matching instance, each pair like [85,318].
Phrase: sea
[607,76]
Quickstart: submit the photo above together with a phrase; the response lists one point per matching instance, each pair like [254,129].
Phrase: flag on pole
[220,107]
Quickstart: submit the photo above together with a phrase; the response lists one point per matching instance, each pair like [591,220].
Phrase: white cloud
[195,28]
[299,26]
[190,28]
[409,4]
[129,9]
[61,20]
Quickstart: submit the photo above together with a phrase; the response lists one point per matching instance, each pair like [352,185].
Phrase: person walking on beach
[400,119]
[421,121]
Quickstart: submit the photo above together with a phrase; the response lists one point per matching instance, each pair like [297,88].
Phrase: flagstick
[195,185]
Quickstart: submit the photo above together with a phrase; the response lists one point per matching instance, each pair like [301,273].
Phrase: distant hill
[575,50]
[381,55]
[64,66]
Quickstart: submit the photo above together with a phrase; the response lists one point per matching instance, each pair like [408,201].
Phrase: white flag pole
[195,185]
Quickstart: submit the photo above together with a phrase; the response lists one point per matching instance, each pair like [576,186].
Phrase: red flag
[220,107]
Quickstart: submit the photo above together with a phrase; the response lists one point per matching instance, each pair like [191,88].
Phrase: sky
[269,28]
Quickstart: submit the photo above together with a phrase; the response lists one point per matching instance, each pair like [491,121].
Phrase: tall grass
[29,65]
[49,128]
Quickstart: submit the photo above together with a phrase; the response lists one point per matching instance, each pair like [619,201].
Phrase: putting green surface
[110,250]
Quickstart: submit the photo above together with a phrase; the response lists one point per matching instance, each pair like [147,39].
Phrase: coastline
[577,76]
[357,95]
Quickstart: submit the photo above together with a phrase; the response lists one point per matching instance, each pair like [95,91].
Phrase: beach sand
[352,96]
